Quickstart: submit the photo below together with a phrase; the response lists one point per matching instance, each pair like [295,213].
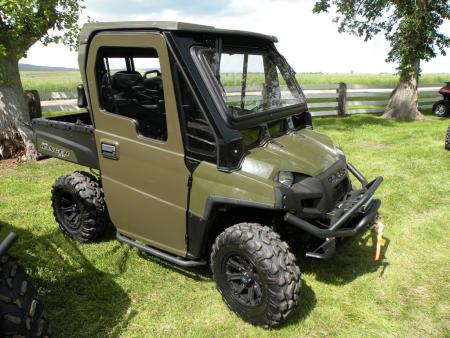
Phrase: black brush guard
[7,243]
[361,203]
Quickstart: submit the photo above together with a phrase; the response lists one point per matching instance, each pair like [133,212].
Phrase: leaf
[24,22]
[2,50]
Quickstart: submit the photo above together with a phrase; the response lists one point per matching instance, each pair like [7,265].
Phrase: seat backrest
[123,81]
[154,83]
[107,93]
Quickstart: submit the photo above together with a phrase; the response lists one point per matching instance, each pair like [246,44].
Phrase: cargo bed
[67,137]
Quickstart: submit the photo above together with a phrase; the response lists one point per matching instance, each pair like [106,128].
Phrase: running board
[160,254]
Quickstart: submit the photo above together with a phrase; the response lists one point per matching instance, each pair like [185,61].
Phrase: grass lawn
[67,81]
[45,82]
[108,289]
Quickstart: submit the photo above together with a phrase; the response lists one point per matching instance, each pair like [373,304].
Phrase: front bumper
[353,215]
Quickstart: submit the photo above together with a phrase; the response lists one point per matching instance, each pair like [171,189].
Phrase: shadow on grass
[307,297]
[350,122]
[354,258]
[78,295]
[198,274]
[81,300]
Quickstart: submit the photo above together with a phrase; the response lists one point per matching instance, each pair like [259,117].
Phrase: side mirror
[303,120]
[82,101]
[308,120]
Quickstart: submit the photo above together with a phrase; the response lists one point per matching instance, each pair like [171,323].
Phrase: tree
[23,23]
[412,29]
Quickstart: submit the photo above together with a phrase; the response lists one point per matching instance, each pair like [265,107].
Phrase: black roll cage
[230,148]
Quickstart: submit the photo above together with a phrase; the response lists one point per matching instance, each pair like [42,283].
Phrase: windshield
[253,82]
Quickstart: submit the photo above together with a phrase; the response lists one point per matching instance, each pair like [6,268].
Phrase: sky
[310,42]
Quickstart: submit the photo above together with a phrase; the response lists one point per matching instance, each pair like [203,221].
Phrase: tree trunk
[404,101]
[16,133]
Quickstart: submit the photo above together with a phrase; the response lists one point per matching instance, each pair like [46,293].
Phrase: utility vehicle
[22,313]
[442,107]
[202,149]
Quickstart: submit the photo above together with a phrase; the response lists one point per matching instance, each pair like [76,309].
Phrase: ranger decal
[59,152]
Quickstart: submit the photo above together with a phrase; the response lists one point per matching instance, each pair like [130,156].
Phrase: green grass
[108,289]
[67,81]
[45,82]
[59,113]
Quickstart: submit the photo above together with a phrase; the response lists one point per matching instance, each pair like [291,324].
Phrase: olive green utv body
[204,150]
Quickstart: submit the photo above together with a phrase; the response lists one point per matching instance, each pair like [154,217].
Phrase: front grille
[318,195]
[337,175]
[340,190]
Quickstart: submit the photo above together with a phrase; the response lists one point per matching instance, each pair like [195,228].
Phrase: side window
[200,137]
[116,65]
[130,85]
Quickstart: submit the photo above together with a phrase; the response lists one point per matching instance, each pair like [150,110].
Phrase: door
[138,137]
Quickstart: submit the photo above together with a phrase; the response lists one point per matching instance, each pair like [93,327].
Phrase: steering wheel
[158,73]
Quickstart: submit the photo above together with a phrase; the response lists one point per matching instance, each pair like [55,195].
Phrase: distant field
[361,79]
[68,80]
[368,79]
[51,81]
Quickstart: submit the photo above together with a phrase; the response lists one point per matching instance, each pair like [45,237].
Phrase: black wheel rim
[244,280]
[70,211]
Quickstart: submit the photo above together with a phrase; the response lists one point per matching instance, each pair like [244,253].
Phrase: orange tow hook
[379,227]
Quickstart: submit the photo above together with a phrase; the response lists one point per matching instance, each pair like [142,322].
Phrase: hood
[304,151]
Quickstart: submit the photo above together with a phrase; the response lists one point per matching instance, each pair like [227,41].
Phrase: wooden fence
[328,100]
[323,100]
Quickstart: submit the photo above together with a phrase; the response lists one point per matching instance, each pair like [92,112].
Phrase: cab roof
[90,29]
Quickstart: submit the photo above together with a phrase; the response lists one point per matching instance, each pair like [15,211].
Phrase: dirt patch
[373,145]
[8,165]
[45,160]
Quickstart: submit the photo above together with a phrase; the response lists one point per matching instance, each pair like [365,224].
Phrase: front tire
[79,206]
[440,109]
[22,314]
[256,274]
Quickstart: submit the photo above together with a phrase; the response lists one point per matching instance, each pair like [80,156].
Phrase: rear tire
[441,109]
[447,139]
[22,312]
[79,206]
[256,274]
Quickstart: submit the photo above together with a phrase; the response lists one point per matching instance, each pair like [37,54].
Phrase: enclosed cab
[205,150]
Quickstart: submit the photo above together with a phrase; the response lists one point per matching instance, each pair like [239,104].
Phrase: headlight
[339,151]
[286,178]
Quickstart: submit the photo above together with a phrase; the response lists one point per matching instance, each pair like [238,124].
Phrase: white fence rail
[323,100]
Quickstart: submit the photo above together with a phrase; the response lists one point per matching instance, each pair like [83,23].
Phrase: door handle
[110,150]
